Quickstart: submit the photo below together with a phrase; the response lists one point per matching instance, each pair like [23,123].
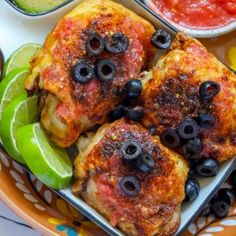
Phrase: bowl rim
[198,33]
[18,9]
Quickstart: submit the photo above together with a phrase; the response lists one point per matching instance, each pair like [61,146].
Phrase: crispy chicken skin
[70,108]
[100,166]
[171,94]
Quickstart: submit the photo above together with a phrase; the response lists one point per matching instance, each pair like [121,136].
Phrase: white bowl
[199,33]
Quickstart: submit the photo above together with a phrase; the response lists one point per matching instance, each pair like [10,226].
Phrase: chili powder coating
[171,95]
[100,167]
[71,108]
[199,14]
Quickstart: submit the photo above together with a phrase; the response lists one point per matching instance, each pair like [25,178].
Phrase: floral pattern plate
[38,205]
[51,215]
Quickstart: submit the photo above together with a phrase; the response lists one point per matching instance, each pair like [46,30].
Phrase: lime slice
[21,57]
[12,86]
[48,162]
[20,112]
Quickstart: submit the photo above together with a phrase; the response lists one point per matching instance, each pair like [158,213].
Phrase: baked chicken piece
[190,86]
[84,64]
[131,178]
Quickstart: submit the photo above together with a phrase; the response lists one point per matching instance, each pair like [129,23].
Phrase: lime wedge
[20,112]
[21,57]
[12,86]
[48,162]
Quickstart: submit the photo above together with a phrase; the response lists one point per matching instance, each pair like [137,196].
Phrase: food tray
[22,30]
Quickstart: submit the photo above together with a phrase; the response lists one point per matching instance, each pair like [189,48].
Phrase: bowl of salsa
[200,18]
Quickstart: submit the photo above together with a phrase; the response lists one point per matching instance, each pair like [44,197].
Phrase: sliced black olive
[82,72]
[207,167]
[117,43]
[130,185]
[227,195]
[134,113]
[1,64]
[206,210]
[131,150]
[188,129]
[220,208]
[192,148]
[206,121]
[192,189]
[105,70]
[94,44]
[133,88]
[170,138]
[161,39]
[116,113]
[208,90]
[145,163]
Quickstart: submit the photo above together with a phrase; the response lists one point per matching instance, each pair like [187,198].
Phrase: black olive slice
[207,167]
[117,43]
[116,113]
[192,189]
[145,163]
[82,72]
[94,44]
[220,208]
[131,150]
[130,185]
[134,113]
[105,70]
[208,90]
[161,39]
[227,195]
[192,148]
[133,88]
[206,121]
[170,138]
[188,129]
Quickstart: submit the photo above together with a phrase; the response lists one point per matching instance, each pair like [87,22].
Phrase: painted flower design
[70,231]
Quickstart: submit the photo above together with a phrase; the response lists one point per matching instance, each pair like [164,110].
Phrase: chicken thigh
[108,45]
[131,178]
[190,86]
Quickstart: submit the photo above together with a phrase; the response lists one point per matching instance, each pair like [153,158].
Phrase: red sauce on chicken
[200,14]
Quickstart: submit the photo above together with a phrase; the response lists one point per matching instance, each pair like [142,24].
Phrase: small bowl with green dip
[37,7]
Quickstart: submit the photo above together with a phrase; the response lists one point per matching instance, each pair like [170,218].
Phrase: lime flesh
[49,163]
[20,112]
[20,58]
[12,86]
[33,6]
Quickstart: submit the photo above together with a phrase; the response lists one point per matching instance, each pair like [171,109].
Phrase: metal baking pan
[208,185]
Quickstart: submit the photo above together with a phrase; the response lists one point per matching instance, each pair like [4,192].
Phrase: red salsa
[199,14]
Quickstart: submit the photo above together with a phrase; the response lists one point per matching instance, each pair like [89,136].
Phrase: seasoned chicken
[148,203]
[175,91]
[69,107]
